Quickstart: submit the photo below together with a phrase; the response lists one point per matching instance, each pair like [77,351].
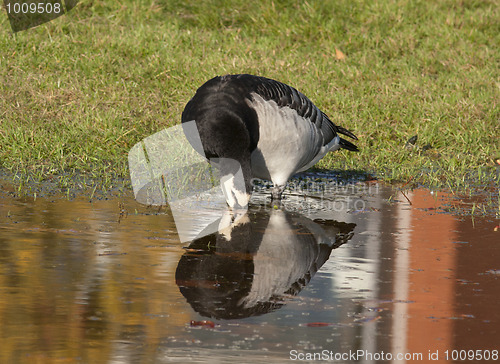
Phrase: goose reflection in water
[250,267]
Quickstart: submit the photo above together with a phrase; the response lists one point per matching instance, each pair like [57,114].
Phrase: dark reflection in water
[96,282]
[252,266]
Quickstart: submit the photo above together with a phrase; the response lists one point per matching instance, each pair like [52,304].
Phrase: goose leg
[276,192]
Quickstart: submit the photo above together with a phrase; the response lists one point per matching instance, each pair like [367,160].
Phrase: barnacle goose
[272,130]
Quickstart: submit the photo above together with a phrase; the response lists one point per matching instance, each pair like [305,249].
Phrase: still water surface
[108,281]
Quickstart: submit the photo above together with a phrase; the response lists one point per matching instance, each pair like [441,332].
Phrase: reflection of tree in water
[250,268]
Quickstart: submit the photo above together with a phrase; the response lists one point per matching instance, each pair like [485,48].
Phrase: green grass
[77,93]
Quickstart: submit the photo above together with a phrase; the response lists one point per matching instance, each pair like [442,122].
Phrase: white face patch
[227,184]
[242,197]
[231,220]
[235,197]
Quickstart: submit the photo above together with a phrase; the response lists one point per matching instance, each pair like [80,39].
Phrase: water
[355,271]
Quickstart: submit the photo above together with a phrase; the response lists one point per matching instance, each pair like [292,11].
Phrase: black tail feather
[344,131]
[348,145]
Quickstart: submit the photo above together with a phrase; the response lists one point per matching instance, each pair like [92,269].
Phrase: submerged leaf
[205,323]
